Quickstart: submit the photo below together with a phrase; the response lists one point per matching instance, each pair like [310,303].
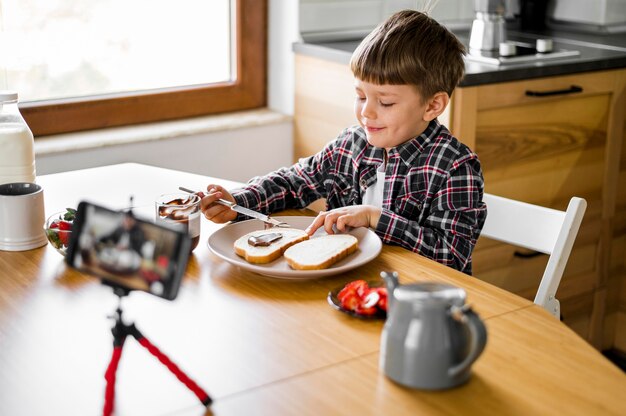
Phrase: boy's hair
[410,48]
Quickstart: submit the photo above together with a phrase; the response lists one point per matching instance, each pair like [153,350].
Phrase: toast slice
[266,254]
[321,252]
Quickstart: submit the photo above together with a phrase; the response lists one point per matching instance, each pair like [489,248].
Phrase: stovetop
[525,53]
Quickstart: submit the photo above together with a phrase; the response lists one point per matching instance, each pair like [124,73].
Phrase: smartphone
[127,252]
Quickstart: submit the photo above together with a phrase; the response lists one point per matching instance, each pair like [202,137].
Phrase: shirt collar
[407,151]
[410,150]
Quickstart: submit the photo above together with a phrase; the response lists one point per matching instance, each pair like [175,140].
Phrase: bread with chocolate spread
[253,248]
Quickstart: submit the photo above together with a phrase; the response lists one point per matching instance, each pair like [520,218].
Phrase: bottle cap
[6,95]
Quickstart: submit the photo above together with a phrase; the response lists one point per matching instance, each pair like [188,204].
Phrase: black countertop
[597,52]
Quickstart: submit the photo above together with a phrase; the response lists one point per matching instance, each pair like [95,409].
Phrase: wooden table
[260,345]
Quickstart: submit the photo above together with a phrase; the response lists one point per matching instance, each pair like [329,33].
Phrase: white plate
[221,243]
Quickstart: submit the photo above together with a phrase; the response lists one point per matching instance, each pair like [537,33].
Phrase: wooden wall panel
[323,104]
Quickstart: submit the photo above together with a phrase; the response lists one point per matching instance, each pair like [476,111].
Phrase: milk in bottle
[17,154]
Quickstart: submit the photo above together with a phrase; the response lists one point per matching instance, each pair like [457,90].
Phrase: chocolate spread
[264,240]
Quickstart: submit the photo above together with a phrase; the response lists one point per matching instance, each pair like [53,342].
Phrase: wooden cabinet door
[543,141]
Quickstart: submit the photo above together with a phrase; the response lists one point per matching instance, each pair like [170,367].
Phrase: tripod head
[118,290]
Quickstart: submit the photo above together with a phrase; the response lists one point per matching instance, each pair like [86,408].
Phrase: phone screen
[128,252]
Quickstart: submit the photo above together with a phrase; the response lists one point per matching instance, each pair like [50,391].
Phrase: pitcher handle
[478,337]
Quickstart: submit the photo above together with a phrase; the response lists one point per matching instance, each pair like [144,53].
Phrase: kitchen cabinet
[533,147]
[543,141]
[618,247]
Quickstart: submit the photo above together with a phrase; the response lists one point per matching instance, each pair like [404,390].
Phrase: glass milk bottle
[17,154]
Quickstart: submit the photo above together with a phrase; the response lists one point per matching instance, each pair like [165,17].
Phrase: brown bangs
[413,49]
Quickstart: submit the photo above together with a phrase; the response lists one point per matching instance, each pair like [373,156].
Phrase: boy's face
[390,114]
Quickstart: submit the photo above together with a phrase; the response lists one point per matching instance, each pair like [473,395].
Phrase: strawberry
[64,225]
[60,229]
[351,302]
[64,236]
[366,311]
[353,297]
[382,302]
[359,287]
[53,236]
[346,291]
[362,288]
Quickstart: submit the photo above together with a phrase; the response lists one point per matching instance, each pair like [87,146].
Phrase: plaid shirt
[432,201]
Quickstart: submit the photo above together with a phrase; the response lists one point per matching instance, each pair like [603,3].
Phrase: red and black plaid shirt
[432,201]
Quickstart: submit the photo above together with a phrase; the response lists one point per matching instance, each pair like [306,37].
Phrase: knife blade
[248,212]
[243,210]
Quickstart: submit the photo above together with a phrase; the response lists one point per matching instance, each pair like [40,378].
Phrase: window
[85,65]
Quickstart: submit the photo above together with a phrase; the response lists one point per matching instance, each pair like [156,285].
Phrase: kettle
[431,337]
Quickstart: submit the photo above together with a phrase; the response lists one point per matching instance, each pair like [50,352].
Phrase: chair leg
[553,307]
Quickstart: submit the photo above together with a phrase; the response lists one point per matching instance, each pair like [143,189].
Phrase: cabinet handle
[527,255]
[571,90]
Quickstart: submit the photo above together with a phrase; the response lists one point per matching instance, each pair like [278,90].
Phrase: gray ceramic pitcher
[431,337]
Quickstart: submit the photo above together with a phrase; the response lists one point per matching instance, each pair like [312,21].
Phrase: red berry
[354,294]
[362,288]
[64,236]
[382,304]
[65,225]
[366,311]
[55,224]
[351,302]
[382,301]
[345,292]
[359,286]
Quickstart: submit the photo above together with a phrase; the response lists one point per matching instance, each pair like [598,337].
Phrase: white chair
[537,228]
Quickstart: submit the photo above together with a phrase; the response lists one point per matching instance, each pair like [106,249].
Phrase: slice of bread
[321,252]
[266,254]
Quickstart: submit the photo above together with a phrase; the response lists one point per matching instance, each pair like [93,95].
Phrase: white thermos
[17,153]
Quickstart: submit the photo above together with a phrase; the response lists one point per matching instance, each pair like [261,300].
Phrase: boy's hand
[342,218]
[213,211]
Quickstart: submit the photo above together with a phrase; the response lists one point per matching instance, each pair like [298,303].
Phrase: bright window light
[56,49]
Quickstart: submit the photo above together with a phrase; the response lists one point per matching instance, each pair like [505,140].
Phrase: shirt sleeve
[291,187]
[451,227]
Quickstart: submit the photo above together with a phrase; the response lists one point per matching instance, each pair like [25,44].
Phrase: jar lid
[431,291]
[7,95]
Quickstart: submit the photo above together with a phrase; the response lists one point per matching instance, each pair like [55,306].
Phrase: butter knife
[243,210]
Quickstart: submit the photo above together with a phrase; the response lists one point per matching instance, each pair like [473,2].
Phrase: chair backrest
[537,228]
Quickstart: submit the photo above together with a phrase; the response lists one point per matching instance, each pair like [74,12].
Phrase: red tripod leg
[180,375]
[109,375]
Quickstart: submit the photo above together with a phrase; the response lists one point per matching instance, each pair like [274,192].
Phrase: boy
[399,171]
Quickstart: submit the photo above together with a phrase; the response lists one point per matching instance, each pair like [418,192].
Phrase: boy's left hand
[342,218]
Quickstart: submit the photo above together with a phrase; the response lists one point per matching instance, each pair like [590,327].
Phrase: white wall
[235,155]
[283,31]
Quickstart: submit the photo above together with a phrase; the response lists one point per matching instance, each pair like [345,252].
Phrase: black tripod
[120,331]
